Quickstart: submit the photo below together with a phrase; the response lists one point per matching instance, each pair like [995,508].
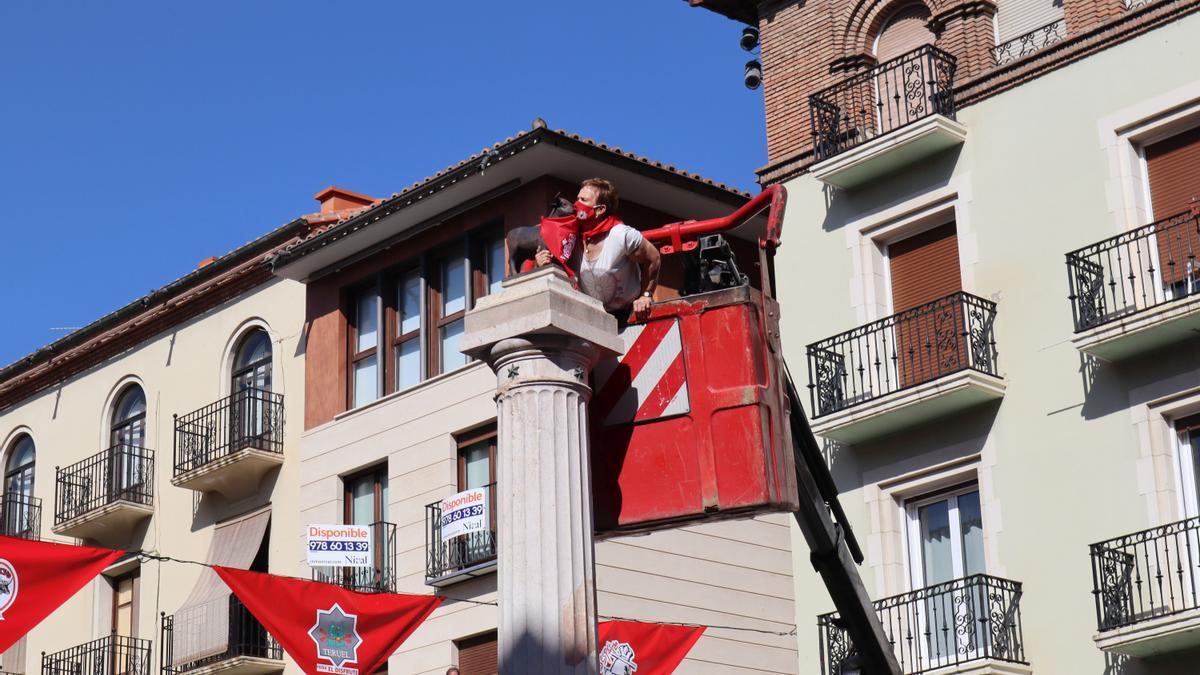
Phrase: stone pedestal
[541,337]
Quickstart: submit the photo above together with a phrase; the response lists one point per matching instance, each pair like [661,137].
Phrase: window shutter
[1173,168]
[924,267]
[904,32]
[478,655]
[1015,18]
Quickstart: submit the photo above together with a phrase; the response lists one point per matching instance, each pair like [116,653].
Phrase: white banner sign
[464,513]
[339,546]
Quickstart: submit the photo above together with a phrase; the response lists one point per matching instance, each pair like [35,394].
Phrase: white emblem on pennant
[9,584]
[617,658]
[337,638]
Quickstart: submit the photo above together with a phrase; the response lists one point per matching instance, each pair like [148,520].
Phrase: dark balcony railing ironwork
[250,418]
[1147,574]
[112,655]
[1029,43]
[20,516]
[247,638]
[968,619]
[1135,271]
[446,558]
[881,100]
[122,473]
[918,345]
[380,577]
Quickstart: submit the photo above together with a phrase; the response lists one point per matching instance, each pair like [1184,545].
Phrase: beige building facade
[994,291]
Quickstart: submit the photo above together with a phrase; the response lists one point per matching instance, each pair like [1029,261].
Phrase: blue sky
[137,138]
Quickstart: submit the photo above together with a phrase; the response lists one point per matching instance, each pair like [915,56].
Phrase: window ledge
[416,388]
[1153,636]
[1143,331]
[984,667]
[909,407]
[890,151]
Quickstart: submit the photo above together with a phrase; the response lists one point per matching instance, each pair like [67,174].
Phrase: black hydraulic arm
[833,547]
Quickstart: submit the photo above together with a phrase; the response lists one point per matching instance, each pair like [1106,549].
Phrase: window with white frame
[1187,434]
[945,536]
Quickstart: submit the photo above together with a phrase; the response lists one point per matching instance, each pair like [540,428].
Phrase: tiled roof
[484,158]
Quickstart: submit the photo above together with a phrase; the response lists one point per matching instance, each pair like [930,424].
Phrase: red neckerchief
[601,227]
[561,234]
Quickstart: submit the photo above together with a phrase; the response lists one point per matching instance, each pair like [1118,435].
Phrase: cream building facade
[994,287]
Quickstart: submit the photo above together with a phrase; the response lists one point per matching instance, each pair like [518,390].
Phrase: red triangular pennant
[644,648]
[36,577]
[326,628]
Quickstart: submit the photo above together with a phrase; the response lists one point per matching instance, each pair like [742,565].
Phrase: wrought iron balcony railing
[881,100]
[968,619]
[1135,271]
[380,577]
[250,418]
[20,516]
[1033,41]
[247,638]
[446,558]
[1147,574]
[122,473]
[922,344]
[112,655]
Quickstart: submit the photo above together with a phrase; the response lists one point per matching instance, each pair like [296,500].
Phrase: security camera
[749,39]
[753,77]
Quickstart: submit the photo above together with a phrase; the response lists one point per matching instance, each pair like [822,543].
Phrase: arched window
[904,31]
[252,362]
[18,469]
[129,418]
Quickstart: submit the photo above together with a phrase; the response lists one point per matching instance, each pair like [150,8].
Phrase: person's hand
[543,257]
[641,308]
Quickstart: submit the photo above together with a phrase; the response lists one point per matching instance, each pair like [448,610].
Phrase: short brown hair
[606,193]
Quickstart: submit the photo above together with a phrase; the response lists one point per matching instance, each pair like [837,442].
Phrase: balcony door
[18,488]
[927,339]
[251,382]
[1173,173]
[895,88]
[128,441]
[365,504]
[945,544]
[1187,430]
[125,659]
[477,470]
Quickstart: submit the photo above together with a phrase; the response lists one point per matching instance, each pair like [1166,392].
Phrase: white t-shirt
[613,277]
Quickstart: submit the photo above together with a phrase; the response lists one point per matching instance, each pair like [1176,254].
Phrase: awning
[201,626]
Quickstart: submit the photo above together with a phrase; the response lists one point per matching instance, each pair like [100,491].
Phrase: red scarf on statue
[562,235]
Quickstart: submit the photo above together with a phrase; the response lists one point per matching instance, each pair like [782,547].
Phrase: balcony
[1029,43]
[112,655]
[1137,291]
[228,446]
[1146,585]
[904,370]
[105,494]
[885,118]
[380,577]
[970,625]
[250,649]
[20,516]
[463,557]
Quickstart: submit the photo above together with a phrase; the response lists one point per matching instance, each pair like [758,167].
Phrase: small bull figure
[524,242]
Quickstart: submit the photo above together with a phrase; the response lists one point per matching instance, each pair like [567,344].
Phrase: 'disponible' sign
[464,513]
[339,546]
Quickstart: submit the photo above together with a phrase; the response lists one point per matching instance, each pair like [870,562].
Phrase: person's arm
[649,261]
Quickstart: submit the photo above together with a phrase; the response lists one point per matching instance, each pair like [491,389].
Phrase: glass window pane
[454,298]
[408,363]
[495,265]
[255,347]
[972,533]
[937,561]
[410,303]
[362,501]
[477,459]
[366,385]
[451,357]
[383,489]
[366,321]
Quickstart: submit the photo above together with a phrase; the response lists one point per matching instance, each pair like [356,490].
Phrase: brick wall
[1084,15]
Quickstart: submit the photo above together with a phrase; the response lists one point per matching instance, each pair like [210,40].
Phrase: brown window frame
[472,248]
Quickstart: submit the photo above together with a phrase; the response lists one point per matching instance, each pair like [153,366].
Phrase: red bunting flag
[326,628]
[633,647]
[36,577]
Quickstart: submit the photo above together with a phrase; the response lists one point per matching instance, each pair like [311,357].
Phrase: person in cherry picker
[616,265]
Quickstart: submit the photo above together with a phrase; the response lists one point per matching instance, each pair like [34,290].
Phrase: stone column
[542,338]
